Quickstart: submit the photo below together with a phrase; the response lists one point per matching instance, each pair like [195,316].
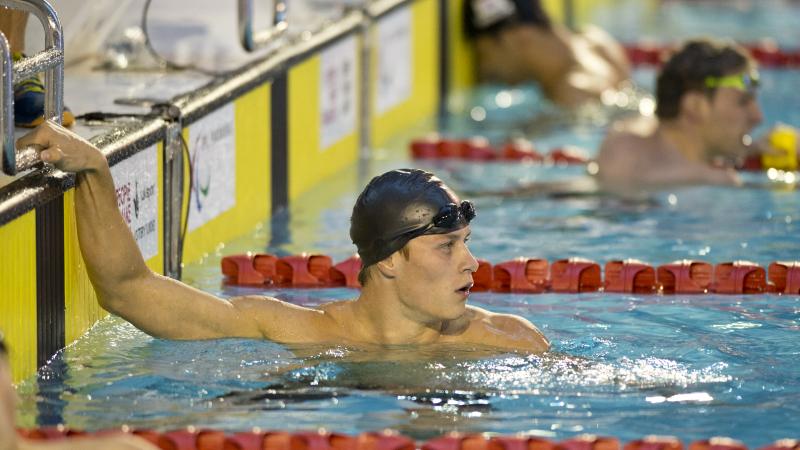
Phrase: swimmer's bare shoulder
[285,322]
[508,331]
[626,144]
[631,129]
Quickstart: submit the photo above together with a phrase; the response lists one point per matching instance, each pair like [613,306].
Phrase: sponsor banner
[137,184]
[395,62]
[212,152]
[337,91]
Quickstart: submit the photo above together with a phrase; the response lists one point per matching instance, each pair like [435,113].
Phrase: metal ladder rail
[253,40]
[51,61]
[7,102]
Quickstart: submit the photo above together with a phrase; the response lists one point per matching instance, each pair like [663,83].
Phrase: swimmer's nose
[470,263]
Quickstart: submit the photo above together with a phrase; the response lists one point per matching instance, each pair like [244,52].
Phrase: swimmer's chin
[457,324]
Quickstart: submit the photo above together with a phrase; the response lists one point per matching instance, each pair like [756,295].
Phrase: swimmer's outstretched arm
[125,286]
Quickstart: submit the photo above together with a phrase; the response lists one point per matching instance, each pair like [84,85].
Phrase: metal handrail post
[50,61]
[251,40]
[173,199]
[7,99]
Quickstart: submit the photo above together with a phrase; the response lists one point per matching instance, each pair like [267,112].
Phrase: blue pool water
[669,21]
[691,366]
[622,365]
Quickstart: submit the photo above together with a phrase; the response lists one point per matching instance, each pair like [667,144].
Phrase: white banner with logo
[212,150]
[337,91]
[395,62]
[137,185]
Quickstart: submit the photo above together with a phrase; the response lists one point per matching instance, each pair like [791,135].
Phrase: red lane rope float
[256,439]
[783,444]
[631,275]
[526,275]
[303,270]
[655,443]
[575,275]
[766,52]
[739,277]
[685,277]
[717,443]
[785,276]
[521,275]
[479,149]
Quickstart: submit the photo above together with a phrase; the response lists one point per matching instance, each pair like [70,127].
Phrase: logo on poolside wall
[395,63]
[136,183]
[212,152]
[337,92]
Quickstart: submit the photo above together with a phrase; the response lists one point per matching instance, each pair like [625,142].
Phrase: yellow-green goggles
[745,82]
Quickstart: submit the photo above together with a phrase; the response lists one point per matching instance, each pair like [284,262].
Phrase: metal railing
[7,99]
[51,61]
[253,40]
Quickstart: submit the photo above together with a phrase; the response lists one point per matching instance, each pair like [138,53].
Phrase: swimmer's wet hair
[687,69]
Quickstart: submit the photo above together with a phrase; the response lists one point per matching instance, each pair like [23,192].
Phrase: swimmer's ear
[387,266]
[695,105]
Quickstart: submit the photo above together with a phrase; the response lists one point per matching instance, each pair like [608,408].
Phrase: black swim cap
[400,205]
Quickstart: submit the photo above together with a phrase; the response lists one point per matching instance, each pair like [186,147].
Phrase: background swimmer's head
[689,68]
[482,18]
[398,206]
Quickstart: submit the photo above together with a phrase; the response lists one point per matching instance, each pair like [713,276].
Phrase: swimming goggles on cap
[449,218]
[445,220]
[450,214]
[745,82]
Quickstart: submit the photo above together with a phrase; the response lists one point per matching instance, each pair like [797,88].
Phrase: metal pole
[7,114]
[173,199]
[252,40]
[51,61]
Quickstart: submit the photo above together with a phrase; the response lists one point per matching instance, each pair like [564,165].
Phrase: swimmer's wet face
[433,282]
[734,112]
[400,206]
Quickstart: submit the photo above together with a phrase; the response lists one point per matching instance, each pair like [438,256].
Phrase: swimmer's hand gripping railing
[50,60]
[251,40]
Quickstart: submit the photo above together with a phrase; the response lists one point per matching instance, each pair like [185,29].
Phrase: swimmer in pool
[9,439]
[706,106]
[410,229]
[515,41]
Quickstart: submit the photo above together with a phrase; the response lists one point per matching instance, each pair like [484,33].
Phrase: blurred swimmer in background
[706,108]
[516,41]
